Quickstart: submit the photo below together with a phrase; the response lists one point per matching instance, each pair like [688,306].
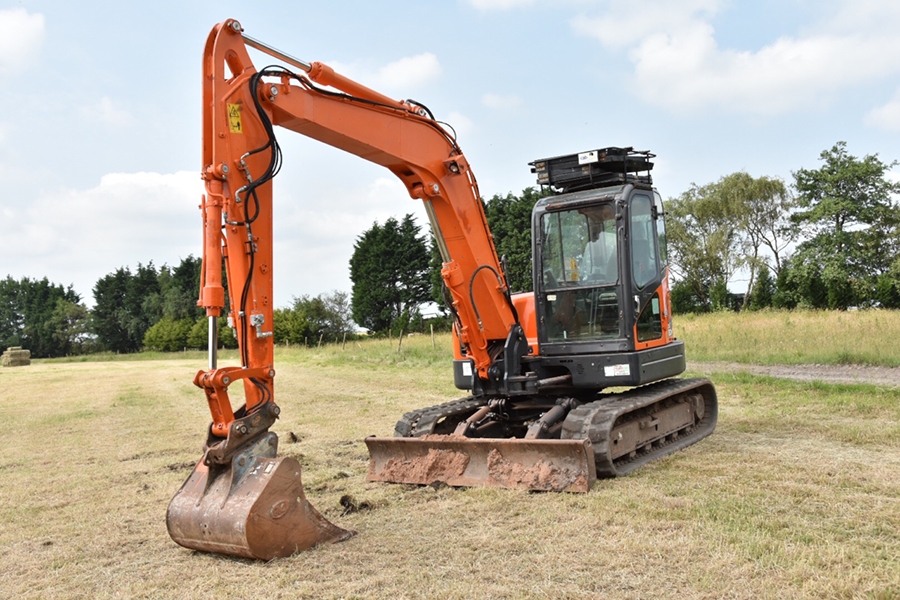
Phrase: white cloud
[679,65]
[21,38]
[106,111]
[77,236]
[886,117]
[627,24]
[880,16]
[410,72]
[499,4]
[314,244]
[401,76]
[461,124]
[499,101]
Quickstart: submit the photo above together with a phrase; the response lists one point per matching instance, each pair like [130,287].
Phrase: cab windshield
[580,247]
[580,268]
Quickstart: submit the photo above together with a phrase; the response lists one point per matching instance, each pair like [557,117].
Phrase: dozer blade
[254,507]
[547,465]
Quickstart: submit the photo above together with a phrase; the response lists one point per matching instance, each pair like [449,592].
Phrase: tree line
[828,240]
[145,308]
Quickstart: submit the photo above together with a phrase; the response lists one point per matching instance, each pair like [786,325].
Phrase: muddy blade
[548,465]
[257,510]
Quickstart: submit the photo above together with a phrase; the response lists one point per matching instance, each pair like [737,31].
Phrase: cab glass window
[645,266]
[579,247]
[649,323]
[661,231]
[580,268]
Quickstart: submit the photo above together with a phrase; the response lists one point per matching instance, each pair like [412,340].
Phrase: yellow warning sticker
[234,118]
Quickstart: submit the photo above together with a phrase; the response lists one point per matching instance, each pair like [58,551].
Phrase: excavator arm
[240,155]
[241,499]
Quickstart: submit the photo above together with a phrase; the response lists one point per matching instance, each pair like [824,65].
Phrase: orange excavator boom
[239,485]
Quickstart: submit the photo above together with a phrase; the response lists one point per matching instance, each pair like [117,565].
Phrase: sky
[100,136]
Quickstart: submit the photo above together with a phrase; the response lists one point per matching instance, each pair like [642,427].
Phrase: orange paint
[396,135]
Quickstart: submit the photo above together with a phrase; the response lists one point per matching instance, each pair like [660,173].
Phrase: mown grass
[865,337]
[796,495]
[859,337]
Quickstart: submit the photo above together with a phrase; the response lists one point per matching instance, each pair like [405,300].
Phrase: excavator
[538,366]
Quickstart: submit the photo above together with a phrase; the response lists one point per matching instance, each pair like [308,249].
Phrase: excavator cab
[601,277]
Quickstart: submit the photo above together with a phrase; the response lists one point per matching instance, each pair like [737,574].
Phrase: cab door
[648,292]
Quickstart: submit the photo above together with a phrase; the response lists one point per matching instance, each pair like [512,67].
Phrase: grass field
[797,494]
[866,337]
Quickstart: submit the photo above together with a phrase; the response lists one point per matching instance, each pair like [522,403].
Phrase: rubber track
[596,420]
[421,422]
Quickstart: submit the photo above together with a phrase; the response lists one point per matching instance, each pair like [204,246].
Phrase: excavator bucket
[253,507]
[546,465]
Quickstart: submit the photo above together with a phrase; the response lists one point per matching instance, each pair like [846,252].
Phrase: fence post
[344,341]
[432,336]
[399,340]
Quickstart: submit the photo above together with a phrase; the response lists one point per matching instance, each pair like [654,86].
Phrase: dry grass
[867,337]
[797,494]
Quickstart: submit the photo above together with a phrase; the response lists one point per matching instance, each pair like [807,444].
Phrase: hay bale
[16,357]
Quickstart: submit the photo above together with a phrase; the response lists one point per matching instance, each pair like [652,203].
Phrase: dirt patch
[437,465]
[827,373]
[351,505]
[539,476]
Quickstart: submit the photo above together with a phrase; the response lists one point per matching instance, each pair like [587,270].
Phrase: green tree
[389,271]
[685,300]
[109,311]
[313,312]
[179,288]
[290,327]
[786,295]
[703,228]
[142,302]
[509,218]
[168,334]
[340,313]
[12,318]
[887,291]
[126,304]
[761,207]
[70,323]
[198,336]
[763,291]
[718,296]
[719,228]
[326,316]
[27,309]
[850,223]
